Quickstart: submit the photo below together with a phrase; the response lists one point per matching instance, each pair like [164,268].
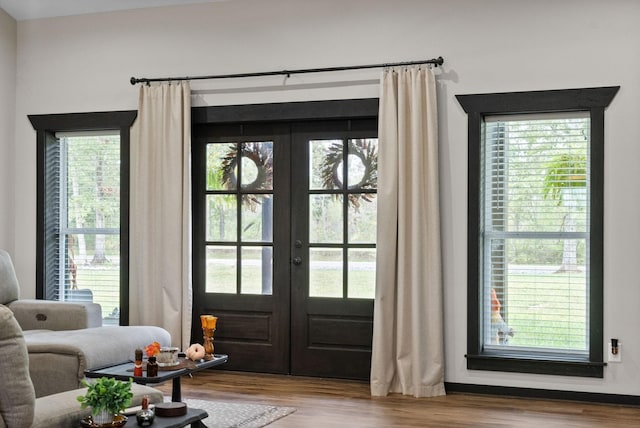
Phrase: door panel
[332,316]
[241,254]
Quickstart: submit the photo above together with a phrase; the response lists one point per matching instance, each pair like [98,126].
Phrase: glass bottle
[152,367]
[137,366]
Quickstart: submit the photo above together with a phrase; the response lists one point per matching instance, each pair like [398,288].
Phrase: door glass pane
[362,273]
[325,164]
[257,218]
[257,270]
[362,218]
[257,166]
[325,219]
[221,161]
[362,163]
[221,218]
[222,268]
[325,272]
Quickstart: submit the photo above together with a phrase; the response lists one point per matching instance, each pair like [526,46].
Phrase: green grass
[539,307]
[324,282]
[547,310]
[104,283]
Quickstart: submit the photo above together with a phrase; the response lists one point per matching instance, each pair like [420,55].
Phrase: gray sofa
[19,407]
[65,339]
[58,359]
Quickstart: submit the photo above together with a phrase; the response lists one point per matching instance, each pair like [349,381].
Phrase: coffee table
[193,418]
[124,371]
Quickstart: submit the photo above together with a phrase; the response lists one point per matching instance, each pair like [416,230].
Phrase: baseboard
[631,400]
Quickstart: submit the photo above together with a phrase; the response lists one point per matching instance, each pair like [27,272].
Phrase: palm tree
[565,181]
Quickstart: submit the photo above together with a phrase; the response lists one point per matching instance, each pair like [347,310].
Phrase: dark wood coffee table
[124,372]
[193,417]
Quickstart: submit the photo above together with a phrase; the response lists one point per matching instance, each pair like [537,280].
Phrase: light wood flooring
[329,403]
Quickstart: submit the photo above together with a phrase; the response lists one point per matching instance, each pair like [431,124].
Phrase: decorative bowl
[168,356]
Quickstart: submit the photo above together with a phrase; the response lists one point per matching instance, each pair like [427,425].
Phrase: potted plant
[107,397]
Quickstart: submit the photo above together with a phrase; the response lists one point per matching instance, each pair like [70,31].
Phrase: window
[83,210]
[535,231]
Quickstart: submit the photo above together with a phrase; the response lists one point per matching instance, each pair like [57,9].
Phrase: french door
[284,243]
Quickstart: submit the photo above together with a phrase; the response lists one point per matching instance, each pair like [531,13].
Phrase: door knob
[297,261]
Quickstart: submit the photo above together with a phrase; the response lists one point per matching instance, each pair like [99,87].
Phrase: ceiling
[22,10]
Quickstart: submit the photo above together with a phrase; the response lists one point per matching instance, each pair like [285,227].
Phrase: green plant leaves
[107,394]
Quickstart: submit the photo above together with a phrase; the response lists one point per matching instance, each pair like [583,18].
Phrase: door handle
[297,261]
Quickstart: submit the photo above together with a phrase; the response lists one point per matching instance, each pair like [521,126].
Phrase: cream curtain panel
[160,218]
[408,334]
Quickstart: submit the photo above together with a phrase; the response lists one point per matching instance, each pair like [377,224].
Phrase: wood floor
[328,403]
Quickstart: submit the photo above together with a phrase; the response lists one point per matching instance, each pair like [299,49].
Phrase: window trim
[477,107]
[46,126]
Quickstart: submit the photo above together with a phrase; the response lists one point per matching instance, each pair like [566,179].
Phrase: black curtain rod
[436,61]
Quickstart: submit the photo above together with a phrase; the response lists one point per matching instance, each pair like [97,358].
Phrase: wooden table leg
[176,392]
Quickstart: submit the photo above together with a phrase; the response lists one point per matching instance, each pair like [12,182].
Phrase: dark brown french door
[284,243]
[333,237]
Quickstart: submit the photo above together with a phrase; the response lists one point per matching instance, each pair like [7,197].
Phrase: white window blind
[535,233]
[88,243]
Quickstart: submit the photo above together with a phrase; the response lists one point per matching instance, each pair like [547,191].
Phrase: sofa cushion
[9,288]
[17,397]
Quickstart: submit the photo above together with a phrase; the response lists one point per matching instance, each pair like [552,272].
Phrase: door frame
[238,115]
[305,110]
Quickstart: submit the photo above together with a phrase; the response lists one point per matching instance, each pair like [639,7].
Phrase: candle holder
[208,327]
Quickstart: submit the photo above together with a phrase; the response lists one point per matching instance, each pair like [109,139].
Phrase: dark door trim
[286,112]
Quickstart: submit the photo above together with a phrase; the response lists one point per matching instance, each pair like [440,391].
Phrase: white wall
[8,55]
[80,64]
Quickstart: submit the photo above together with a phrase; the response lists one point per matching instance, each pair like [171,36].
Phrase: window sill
[536,364]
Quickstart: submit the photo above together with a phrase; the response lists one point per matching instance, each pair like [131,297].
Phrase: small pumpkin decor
[107,397]
[195,352]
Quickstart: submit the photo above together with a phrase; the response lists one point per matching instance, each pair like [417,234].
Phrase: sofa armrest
[53,315]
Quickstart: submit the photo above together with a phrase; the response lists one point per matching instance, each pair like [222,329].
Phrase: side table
[124,372]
